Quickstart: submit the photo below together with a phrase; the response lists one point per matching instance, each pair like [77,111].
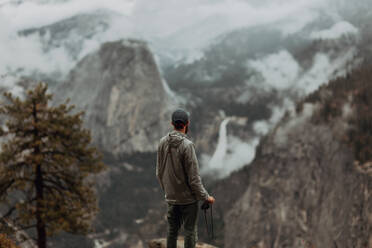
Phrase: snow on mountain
[255,55]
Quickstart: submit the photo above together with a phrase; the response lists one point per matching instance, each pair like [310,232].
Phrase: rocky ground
[161,243]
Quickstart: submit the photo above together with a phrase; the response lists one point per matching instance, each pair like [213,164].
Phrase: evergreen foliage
[353,91]
[46,166]
[5,242]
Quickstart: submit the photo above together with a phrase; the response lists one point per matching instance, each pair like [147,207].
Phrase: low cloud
[160,22]
[281,135]
[183,28]
[280,71]
[336,31]
[32,14]
[324,69]
[25,54]
[263,127]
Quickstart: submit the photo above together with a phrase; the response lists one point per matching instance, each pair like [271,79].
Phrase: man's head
[181,120]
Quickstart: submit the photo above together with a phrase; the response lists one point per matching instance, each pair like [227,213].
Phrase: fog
[31,13]
[180,30]
[335,31]
[281,71]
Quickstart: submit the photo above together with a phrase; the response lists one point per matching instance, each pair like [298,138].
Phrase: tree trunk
[39,185]
[40,225]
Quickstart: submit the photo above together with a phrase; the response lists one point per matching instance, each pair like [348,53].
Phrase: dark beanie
[180,116]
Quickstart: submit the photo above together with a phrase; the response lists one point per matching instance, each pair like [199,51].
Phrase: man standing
[177,171]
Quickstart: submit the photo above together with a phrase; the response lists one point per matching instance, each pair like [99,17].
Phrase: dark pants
[186,215]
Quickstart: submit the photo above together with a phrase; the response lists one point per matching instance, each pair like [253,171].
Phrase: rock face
[120,89]
[304,190]
[161,243]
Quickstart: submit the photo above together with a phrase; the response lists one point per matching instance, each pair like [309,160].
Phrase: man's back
[177,170]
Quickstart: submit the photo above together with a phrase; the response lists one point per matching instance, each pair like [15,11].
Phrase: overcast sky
[162,16]
[188,25]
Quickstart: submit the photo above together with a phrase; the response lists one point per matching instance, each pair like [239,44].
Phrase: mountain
[127,109]
[120,89]
[74,34]
[258,72]
[224,61]
[240,85]
[310,183]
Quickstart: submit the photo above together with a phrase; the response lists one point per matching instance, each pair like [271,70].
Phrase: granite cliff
[121,91]
[310,184]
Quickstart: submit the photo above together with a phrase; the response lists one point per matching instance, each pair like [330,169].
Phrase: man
[177,170]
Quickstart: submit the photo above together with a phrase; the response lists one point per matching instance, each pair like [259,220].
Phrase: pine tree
[47,166]
[6,242]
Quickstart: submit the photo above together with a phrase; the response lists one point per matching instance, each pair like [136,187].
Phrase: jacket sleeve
[159,167]
[192,170]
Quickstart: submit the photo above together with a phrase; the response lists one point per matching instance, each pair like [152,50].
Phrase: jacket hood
[175,138]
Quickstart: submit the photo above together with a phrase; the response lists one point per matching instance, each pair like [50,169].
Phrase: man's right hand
[210,199]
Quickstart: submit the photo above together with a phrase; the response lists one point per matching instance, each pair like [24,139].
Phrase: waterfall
[217,159]
[221,164]
[168,90]
[170,93]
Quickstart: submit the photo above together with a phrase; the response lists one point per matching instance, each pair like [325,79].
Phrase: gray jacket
[179,180]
